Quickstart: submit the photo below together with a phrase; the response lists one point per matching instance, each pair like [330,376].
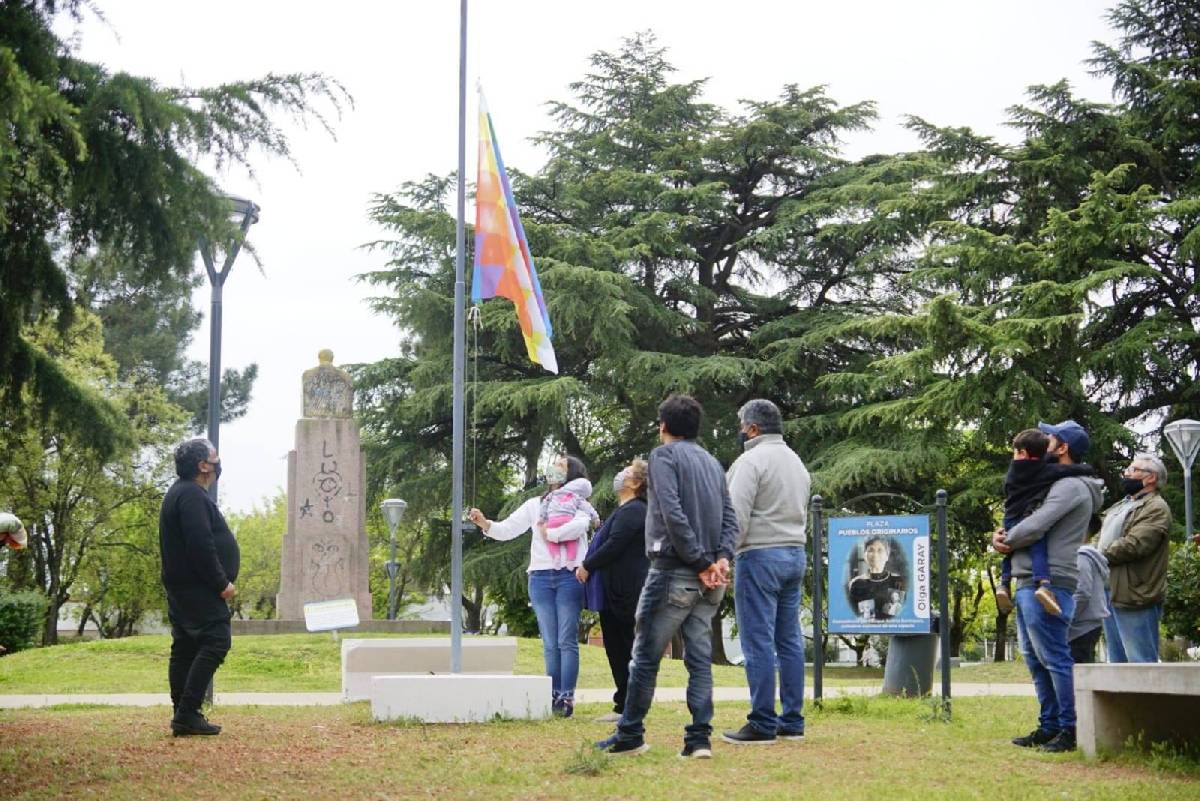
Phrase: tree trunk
[50,630]
[858,645]
[677,646]
[956,624]
[718,642]
[1001,637]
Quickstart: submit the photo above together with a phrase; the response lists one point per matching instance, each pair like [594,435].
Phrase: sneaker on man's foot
[613,746]
[748,735]
[1038,736]
[193,724]
[798,734]
[563,708]
[694,751]
[1045,597]
[1004,603]
[1063,741]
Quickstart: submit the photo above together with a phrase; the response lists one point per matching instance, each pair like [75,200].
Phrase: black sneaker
[748,735]
[1062,742]
[617,747]
[563,707]
[696,751]
[187,725]
[797,734]
[1038,736]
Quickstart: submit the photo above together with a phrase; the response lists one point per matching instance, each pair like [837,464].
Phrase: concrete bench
[364,658]
[1158,702]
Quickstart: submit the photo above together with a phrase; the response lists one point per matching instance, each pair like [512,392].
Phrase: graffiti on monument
[328,483]
[327,564]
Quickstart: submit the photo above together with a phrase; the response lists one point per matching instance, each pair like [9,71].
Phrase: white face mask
[619,481]
[556,475]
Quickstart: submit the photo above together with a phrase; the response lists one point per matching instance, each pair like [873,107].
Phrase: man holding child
[1061,522]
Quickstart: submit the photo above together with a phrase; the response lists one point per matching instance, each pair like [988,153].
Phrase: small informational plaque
[328,615]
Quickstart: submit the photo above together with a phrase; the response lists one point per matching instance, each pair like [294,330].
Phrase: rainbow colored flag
[503,265]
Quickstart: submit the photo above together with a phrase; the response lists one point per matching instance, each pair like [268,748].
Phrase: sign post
[818,574]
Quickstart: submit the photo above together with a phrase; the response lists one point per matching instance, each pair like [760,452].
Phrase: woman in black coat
[618,555]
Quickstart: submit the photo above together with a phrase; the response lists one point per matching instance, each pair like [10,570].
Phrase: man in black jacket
[200,559]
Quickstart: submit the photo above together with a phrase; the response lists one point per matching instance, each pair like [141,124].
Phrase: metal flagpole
[943,595]
[818,573]
[456,525]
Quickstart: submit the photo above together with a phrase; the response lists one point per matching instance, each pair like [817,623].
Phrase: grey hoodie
[1091,606]
[1062,520]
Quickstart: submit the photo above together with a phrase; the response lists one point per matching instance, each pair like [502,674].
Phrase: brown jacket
[1137,559]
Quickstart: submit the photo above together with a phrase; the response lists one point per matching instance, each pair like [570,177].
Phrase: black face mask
[1050,458]
[216,469]
[1132,486]
[743,438]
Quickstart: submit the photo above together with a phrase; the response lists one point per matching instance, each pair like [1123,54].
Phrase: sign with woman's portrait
[879,575]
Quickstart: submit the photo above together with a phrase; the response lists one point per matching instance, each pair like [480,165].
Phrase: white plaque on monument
[329,615]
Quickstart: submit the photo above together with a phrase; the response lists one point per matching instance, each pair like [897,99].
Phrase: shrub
[22,615]
[1181,609]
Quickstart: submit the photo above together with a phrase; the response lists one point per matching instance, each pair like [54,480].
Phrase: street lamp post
[1184,436]
[393,512]
[243,213]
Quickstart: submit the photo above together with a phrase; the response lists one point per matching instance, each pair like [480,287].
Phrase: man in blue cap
[1062,521]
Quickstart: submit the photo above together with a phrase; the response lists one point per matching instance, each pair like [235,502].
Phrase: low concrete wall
[460,698]
[364,659]
[366,626]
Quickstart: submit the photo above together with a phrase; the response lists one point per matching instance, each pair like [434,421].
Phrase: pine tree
[92,160]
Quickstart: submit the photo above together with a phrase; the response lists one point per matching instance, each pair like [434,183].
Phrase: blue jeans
[1131,635]
[672,600]
[557,598]
[1043,638]
[767,590]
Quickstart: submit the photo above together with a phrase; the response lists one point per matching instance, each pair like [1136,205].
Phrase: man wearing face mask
[1133,539]
[200,560]
[768,487]
[1062,521]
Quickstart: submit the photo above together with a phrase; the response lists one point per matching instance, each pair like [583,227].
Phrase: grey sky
[954,62]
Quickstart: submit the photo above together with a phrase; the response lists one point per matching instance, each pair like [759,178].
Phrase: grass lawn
[856,748]
[311,663]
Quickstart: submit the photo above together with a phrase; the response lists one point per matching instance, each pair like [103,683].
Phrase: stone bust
[328,391]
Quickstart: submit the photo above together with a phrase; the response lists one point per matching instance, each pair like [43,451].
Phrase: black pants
[197,650]
[617,630]
[1083,647]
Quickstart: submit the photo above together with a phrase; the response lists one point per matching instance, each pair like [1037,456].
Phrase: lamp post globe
[1184,438]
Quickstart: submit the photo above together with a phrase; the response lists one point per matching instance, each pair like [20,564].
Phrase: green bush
[1181,609]
[22,616]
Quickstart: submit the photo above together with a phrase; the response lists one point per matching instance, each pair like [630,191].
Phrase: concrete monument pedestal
[325,553]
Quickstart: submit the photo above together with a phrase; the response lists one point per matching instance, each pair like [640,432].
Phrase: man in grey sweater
[768,485]
[1062,521]
[690,529]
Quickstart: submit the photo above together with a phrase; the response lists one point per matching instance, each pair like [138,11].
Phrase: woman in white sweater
[556,595]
